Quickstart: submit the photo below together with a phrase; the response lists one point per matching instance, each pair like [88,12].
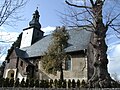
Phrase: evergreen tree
[53,59]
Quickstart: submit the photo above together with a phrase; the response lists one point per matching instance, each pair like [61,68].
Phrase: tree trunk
[61,73]
[101,77]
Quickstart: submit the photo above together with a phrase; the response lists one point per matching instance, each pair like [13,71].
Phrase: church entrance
[10,74]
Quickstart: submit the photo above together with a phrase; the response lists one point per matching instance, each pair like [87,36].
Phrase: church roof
[22,54]
[79,40]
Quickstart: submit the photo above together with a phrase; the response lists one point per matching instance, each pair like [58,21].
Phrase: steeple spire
[35,20]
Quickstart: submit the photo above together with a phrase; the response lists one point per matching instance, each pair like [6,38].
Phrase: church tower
[33,33]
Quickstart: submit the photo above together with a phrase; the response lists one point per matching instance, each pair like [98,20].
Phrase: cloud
[116,51]
[48,29]
[114,60]
[7,38]
[2,58]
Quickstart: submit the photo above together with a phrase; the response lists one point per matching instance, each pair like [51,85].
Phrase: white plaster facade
[27,38]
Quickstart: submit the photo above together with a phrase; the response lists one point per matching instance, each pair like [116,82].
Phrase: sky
[49,19]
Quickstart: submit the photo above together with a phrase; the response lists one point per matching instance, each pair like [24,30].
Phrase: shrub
[69,83]
[36,83]
[55,83]
[6,82]
[59,83]
[22,84]
[51,83]
[64,85]
[1,81]
[17,83]
[42,84]
[32,82]
[46,83]
[78,83]
[83,84]
[11,84]
[73,83]
[27,83]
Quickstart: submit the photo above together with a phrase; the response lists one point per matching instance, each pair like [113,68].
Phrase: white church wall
[26,38]
[21,77]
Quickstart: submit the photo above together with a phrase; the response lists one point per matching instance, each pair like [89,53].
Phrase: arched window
[21,63]
[10,74]
[68,63]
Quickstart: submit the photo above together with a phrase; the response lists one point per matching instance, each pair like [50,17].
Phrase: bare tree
[8,9]
[92,13]
[9,14]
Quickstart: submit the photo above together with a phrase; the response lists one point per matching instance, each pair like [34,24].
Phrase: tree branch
[92,2]
[77,5]
[113,19]
[8,8]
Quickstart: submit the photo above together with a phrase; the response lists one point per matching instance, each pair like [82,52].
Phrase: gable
[13,55]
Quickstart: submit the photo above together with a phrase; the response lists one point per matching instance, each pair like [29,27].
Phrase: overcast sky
[49,19]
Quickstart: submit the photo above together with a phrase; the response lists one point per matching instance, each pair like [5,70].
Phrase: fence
[32,84]
[12,88]
[42,83]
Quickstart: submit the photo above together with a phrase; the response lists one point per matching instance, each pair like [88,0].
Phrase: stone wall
[78,69]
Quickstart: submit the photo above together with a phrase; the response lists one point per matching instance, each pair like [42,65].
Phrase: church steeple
[33,33]
[35,20]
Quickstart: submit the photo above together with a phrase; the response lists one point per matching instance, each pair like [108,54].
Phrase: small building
[24,57]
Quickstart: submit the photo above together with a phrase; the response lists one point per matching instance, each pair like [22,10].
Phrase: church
[24,58]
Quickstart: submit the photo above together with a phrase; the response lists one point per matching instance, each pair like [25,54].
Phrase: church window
[21,63]
[12,75]
[68,63]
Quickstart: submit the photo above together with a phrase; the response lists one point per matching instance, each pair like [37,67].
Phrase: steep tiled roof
[79,40]
[22,54]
